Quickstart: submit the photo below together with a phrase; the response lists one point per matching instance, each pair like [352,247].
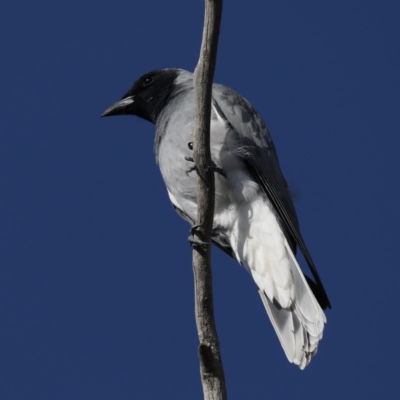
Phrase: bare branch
[212,374]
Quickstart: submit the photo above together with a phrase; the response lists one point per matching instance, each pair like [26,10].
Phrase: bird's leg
[194,242]
[213,167]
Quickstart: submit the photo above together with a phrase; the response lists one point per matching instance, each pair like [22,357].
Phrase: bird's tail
[261,247]
[300,326]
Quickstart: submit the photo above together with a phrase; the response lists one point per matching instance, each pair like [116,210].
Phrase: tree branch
[212,374]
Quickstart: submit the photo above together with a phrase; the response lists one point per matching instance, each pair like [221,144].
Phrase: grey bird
[255,220]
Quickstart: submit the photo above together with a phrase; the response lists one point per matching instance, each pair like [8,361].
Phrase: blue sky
[96,286]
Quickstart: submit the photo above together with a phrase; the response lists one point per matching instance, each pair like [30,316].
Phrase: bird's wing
[257,150]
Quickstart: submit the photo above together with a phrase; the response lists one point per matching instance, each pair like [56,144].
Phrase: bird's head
[147,95]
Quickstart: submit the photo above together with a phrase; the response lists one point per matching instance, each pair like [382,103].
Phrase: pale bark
[212,374]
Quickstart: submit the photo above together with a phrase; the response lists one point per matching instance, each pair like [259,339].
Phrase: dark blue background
[96,296]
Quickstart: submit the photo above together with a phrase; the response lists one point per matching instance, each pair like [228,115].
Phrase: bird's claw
[190,159]
[218,170]
[194,228]
[212,167]
[198,243]
[188,171]
[195,242]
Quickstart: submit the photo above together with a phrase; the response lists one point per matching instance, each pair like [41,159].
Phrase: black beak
[122,107]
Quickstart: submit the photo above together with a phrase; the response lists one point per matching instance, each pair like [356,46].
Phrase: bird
[255,221]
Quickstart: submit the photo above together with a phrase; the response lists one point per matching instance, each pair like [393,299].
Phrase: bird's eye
[147,81]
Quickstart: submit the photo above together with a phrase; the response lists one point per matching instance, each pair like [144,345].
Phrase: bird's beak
[121,107]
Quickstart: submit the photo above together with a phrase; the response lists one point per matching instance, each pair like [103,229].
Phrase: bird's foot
[194,242]
[198,243]
[213,167]
[190,159]
[191,169]
[216,169]
[194,228]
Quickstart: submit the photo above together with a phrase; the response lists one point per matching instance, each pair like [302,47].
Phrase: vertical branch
[212,374]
